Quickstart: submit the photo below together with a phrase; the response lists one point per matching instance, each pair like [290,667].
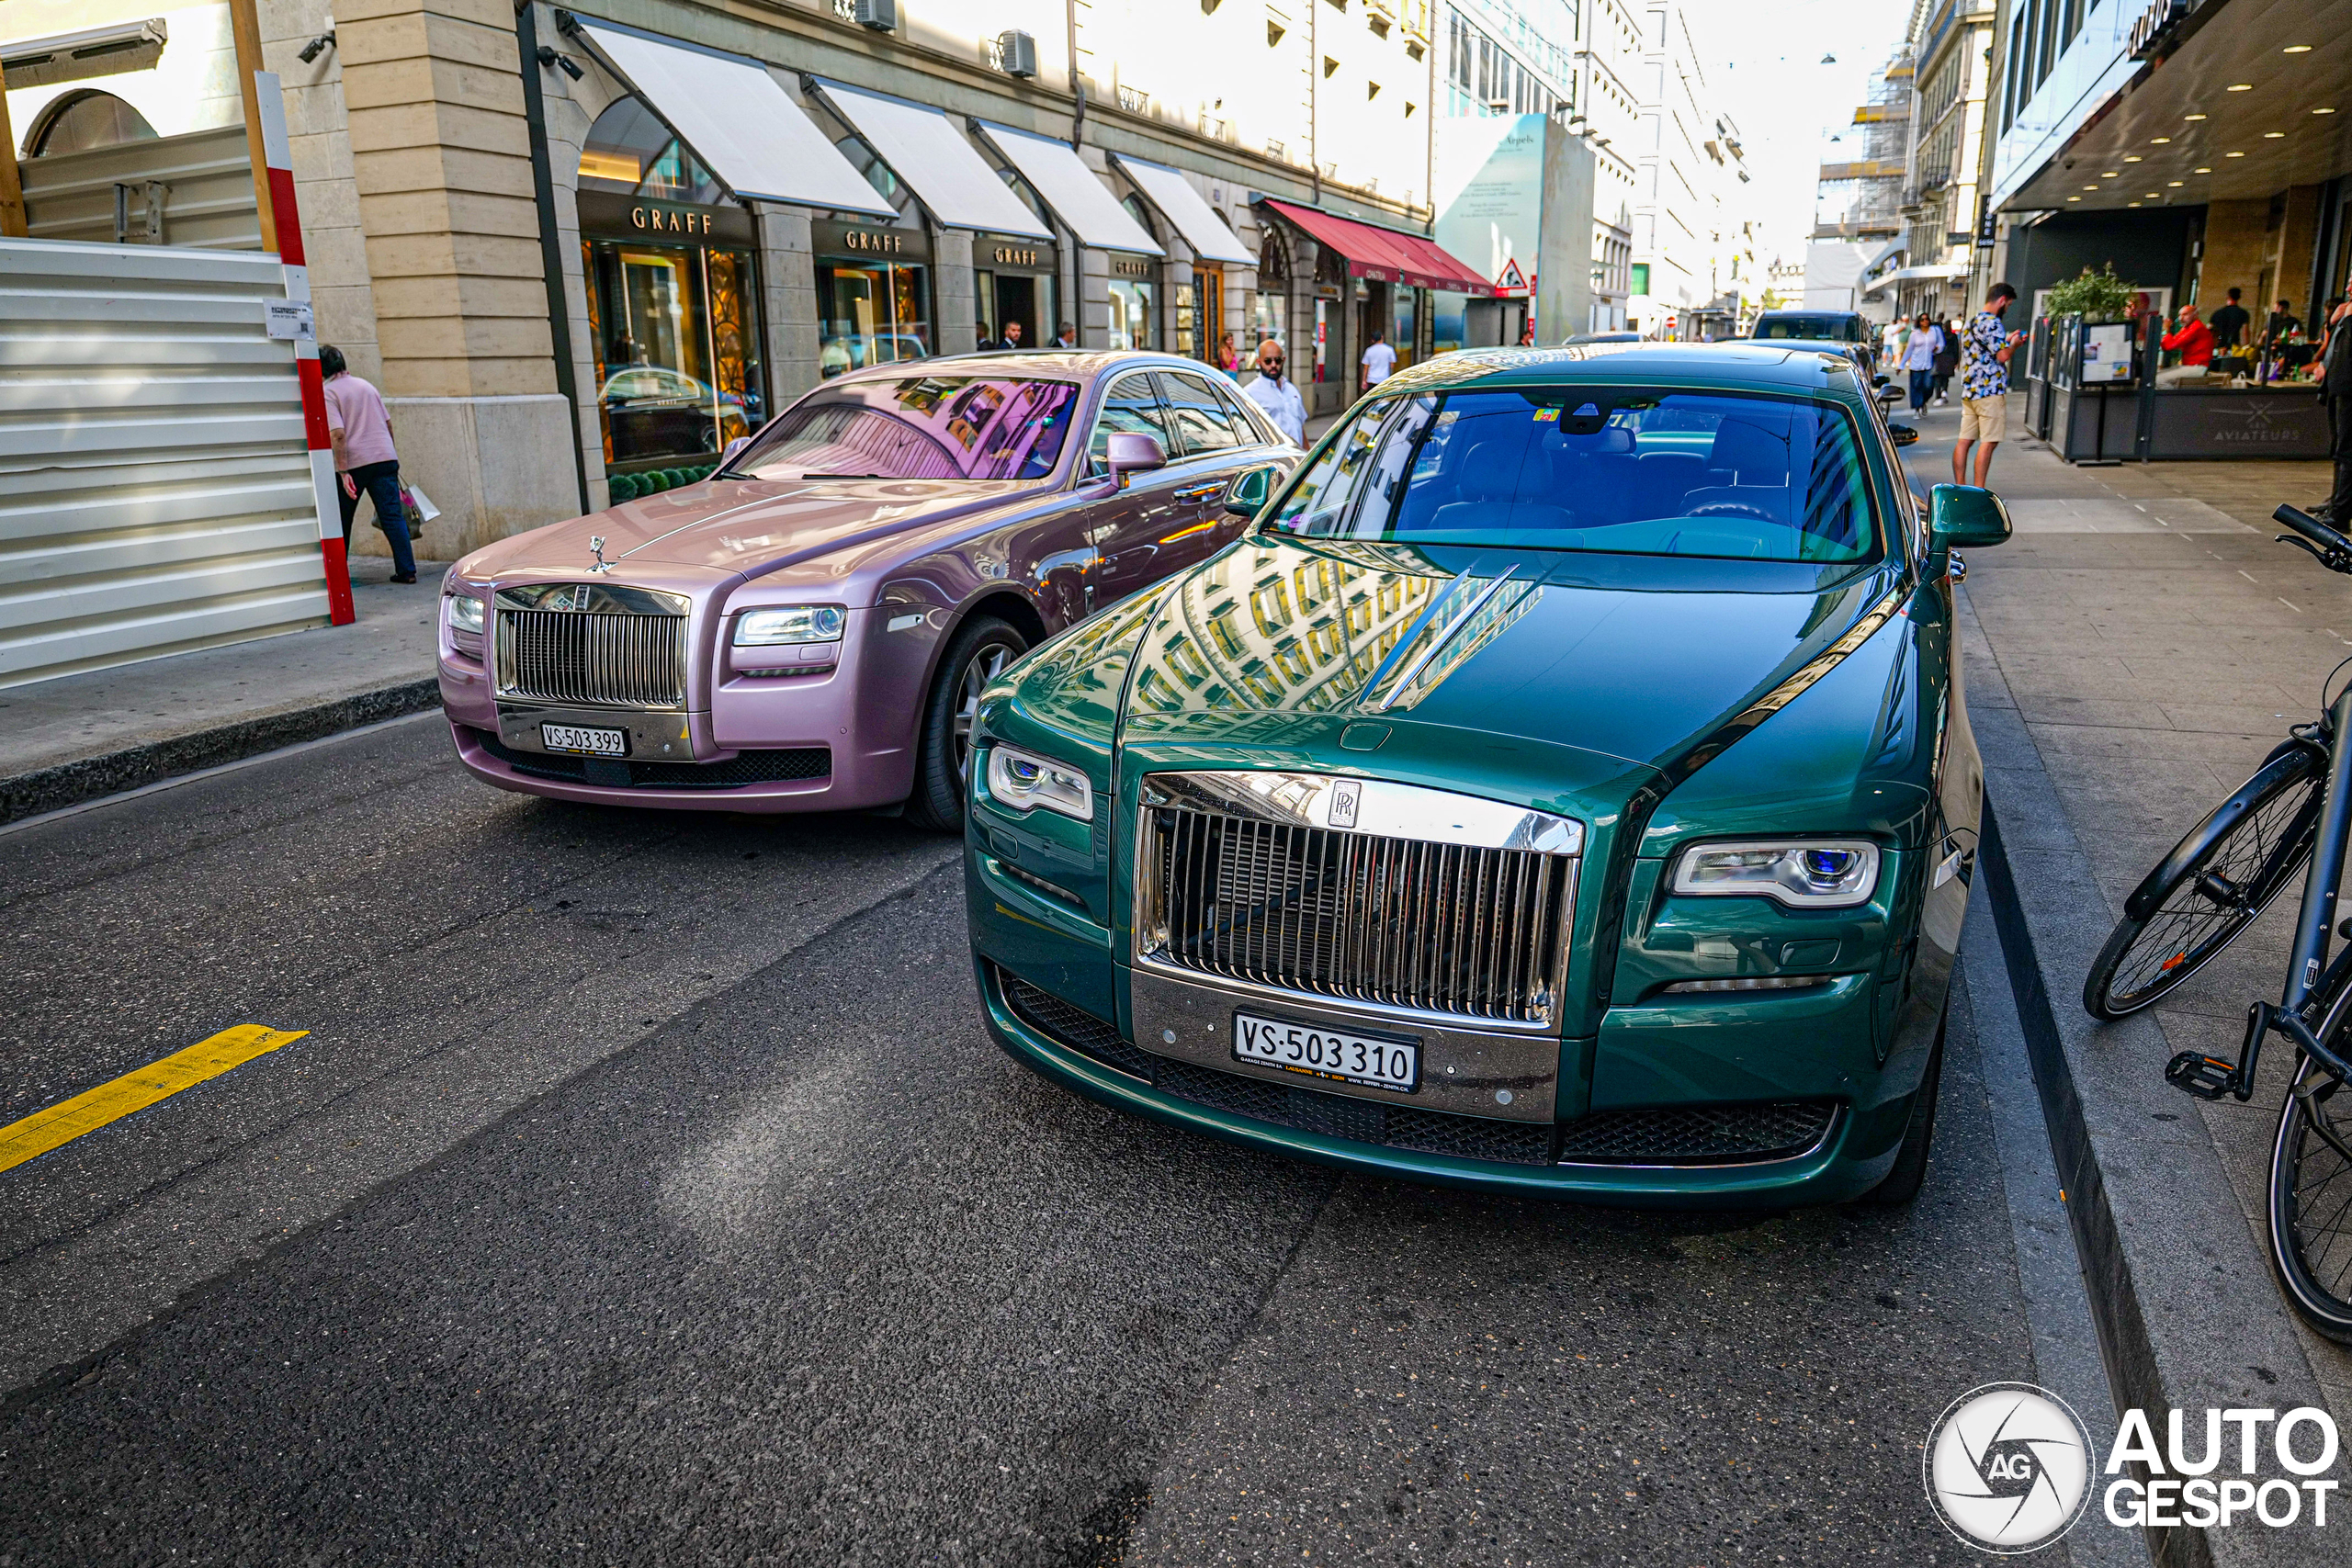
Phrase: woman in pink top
[364,457]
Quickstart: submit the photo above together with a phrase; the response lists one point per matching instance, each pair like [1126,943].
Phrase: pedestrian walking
[2335,387]
[1897,341]
[1379,359]
[364,460]
[1275,393]
[2229,324]
[1066,337]
[1919,360]
[1985,385]
[1012,335]
[1947,359]
[1226,359]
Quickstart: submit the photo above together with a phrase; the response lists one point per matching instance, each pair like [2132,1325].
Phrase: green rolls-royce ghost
[1564,787]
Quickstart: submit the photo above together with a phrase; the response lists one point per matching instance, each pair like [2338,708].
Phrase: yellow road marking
[69,1119]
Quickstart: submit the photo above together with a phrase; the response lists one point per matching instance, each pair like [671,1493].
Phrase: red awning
[1384,254]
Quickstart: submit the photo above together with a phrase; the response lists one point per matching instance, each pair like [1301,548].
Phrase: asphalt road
[637,1200]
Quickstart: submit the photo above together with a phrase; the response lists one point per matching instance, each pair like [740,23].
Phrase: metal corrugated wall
[155,488]
[208,191]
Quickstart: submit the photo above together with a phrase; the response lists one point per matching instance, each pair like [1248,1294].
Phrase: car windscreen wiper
[844,476]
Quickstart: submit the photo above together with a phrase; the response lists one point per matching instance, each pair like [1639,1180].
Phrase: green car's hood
[1626,660]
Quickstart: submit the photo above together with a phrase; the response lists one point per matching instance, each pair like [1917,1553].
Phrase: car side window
[1130,406]
[1251,431]
[1200,420]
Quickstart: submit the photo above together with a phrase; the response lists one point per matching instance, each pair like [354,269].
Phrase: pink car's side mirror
[1132,452]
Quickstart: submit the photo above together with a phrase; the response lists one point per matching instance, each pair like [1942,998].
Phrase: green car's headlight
[1019,780]
[1813,874]
[768,629]
[463,612]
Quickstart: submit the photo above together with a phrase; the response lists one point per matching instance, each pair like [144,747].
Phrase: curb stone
[132,767]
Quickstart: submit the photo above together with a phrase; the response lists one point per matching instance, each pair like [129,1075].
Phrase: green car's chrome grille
[1465,931]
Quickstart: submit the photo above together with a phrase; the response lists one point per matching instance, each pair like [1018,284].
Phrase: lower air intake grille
[1713,1135]
[743,768]
[1074,1027]
[1309,1111]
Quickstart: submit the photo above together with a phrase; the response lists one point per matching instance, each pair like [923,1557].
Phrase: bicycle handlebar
[2335,549]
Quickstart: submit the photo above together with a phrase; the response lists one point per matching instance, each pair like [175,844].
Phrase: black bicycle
[2294,813]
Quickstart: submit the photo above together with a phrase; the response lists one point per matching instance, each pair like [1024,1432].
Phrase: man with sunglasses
[1278,395]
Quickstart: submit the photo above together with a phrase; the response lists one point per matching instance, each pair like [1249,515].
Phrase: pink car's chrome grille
[609,660]
[1475,931]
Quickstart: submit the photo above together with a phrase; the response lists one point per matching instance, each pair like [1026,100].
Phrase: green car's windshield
[1620,470]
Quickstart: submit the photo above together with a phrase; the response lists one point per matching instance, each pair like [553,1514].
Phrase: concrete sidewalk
[79,737]
[2134,653]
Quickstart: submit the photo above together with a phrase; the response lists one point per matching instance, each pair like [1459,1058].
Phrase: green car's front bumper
[1851,1148]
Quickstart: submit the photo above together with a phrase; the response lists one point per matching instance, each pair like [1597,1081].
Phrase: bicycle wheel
[2310,1207]
[2216,883]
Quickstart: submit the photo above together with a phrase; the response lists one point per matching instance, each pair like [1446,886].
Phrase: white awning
[1942,271]
[923,148]
[1169,191]
[1077,195]
[738,119]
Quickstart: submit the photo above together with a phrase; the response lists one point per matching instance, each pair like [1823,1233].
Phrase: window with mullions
[1615,470]
[630,152]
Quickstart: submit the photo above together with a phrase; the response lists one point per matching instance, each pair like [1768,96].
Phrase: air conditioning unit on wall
[882,15]
[1018,53]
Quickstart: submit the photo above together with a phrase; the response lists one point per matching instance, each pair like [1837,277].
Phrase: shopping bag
[418,507]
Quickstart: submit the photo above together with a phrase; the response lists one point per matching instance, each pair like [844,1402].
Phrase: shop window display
[673,325]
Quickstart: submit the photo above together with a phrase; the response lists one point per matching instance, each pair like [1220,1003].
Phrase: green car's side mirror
[1965,516]
[1903,434]
[1248,493]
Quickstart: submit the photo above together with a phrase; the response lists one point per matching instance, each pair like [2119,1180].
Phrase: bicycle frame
[2309,962]
[2318,913]
[2210,1077]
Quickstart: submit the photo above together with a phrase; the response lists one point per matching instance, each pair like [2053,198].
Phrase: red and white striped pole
[279,153]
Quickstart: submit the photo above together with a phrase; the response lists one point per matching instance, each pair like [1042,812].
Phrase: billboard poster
[1490,191]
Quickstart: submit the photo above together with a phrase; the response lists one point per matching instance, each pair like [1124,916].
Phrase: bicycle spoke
[2324,1244]
[2195,921]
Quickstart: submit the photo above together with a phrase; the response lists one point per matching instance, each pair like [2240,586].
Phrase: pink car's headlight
[808,623]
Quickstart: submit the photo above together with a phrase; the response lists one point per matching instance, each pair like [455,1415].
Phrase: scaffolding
[1860,195]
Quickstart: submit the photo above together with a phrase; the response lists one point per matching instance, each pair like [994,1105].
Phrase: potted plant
[2096,296]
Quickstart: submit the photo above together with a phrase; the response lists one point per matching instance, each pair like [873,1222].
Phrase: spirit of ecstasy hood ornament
[596,543]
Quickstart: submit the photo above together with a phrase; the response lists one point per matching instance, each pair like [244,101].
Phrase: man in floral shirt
[1984,349]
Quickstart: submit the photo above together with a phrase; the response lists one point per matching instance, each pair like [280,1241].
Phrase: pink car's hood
[739,527]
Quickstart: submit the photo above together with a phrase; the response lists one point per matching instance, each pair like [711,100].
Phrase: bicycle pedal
[2207,1077]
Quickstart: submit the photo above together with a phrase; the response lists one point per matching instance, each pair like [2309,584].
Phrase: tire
[981,647]
[1909,1172]
[2311,1187]
[2311,1212]
[2215,883]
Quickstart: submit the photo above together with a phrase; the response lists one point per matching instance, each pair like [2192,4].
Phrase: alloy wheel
[983,667]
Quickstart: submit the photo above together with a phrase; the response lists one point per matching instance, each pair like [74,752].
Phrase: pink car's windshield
[918,427]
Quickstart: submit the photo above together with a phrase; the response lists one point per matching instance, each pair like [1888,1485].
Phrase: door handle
[1201,493]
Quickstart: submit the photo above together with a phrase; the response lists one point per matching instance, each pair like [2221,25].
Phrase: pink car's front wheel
[981,650]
